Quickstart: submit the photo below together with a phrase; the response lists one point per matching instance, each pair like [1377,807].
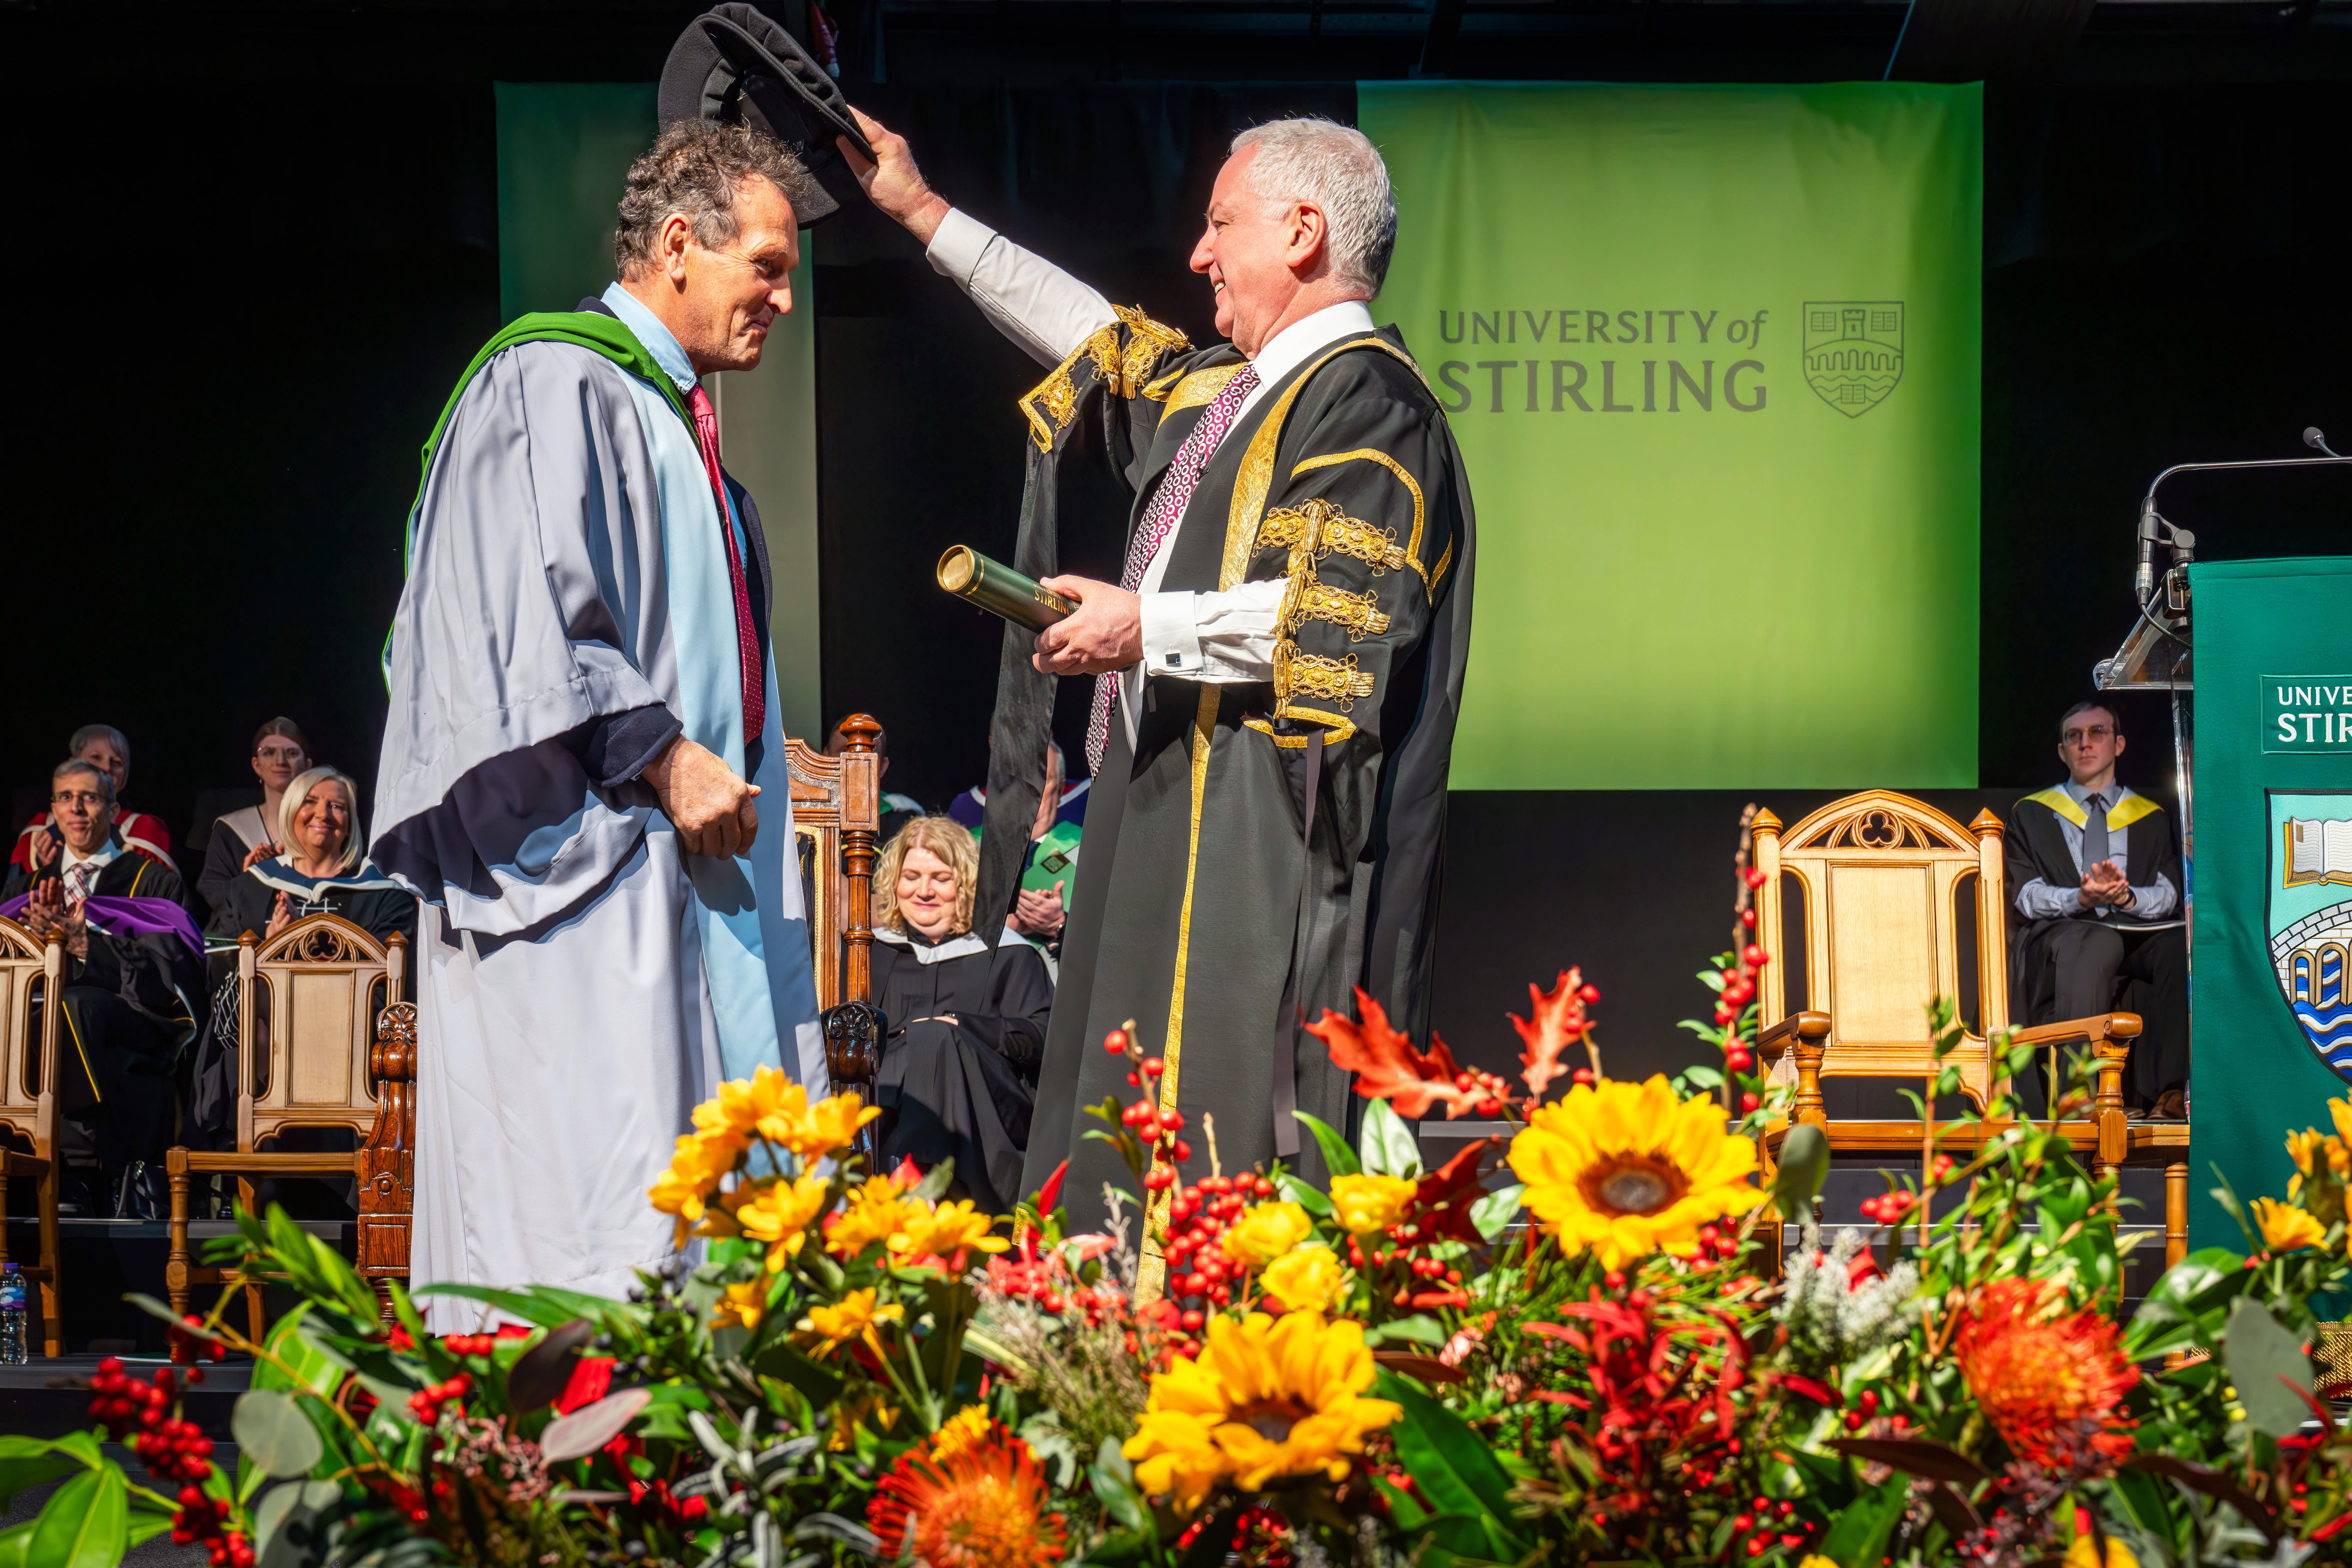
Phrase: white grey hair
[1338,169]
[108,732]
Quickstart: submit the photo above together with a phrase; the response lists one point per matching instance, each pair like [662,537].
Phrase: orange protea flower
[980,1506]
[2051,1381]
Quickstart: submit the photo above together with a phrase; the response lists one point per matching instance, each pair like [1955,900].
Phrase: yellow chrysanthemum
[876,1211]
[1368,1203]
[941,1232]
[852,1318]
[960,1431]
[1626,1170]
[823,1129]
[1263,1233]
[778,1213]
[1309,1280]
[2286,1227]
[1268,1397]
[745,1304]
[696,1168]
[2083,1555]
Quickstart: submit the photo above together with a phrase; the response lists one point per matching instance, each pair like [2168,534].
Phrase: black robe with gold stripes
[1202,910]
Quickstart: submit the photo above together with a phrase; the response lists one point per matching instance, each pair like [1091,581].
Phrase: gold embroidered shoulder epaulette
[2123,814]
[1122,364]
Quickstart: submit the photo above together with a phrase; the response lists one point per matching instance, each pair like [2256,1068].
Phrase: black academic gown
[961,1090]
[2034,845]
[373,904]
[131,1005]
[1204,910]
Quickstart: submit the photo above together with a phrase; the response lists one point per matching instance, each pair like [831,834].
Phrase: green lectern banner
[2271,996]
[1712,354]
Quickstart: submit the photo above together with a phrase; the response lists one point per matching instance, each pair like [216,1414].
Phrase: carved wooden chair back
[1883,877]
[30,976]
[308,1002]
[836,812]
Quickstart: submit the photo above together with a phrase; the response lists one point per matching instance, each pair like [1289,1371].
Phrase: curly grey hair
[1338,169]
[695,167]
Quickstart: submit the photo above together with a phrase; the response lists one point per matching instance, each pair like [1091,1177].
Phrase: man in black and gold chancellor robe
[1278,671]
[2097,920]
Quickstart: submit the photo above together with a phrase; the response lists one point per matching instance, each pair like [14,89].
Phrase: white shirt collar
[1296,343]
[105,856]
[659,341]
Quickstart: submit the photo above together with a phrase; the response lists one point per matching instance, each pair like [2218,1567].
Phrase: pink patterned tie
[1160,519]
[80,880]
[746,635]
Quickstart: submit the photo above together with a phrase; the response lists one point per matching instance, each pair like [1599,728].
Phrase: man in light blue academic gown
[583,774]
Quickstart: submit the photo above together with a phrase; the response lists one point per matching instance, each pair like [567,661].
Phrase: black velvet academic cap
[733,64]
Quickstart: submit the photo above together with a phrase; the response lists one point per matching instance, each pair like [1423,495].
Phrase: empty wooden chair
[31,976]
[836,814]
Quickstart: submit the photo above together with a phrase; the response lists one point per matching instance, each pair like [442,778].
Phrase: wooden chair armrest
[1796,1026]
[30,1164]
[230,1162]
[2090,1031]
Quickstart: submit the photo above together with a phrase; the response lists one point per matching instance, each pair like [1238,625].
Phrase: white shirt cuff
[1028,298]
[956,249]
[1223,639]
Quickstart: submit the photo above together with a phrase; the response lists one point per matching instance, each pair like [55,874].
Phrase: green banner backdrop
[2273,920]
[1712,354]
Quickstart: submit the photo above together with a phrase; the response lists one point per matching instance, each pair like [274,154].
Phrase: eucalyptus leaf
[273,1432]
[285,1522]
[2268,1365]
[589,1427]
[1494,1212]
[1387,1146]
[1804,1166]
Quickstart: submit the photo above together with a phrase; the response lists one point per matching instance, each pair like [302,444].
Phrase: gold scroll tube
[999,590]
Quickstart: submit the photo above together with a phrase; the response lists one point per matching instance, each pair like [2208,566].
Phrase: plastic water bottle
[11,1316]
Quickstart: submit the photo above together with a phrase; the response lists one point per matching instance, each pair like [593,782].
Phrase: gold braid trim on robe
[1121,364]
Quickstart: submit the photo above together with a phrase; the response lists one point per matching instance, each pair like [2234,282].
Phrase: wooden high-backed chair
[32,976]
[1884,877]
[836,815]
[319,1023]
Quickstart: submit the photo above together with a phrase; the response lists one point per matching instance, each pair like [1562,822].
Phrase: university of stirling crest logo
[2310,928]
[1854,352]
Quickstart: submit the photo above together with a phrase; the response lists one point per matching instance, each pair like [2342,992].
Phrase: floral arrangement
[1585,1344]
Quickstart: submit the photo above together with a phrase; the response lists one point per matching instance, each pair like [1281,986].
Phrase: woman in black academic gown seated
[320,871]
[965,1027]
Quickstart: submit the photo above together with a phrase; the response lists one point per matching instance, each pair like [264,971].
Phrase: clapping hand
[47,847]
[281,915]
[261,852]
[2103,883]
[1038,914]
[51,913]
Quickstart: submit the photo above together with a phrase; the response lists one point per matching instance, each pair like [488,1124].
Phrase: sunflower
[2043,1375]
[1308,1279]
[982,1505]
[943,1231]
[1268,1397]
[1367,1204]
[778,1213]
[852,1318]
[2286,1227]
[1263,1233]
[702,1160]
[1627,1170]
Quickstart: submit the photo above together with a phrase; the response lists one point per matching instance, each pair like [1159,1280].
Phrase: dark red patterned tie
[746,635]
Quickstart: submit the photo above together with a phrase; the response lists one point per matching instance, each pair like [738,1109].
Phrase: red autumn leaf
[1387,1066]
[1442,1203]
[1558,1023]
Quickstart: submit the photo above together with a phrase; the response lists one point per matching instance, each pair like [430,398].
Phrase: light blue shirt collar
[657,339]
[2117,792]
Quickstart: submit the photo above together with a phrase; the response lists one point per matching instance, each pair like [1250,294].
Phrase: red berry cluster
[1262,1538]
[190,1345]
[1442,1285]
[1864,1406]
[1198,1268]
[204,1522]
[1157,1128]
[1498,1093]
[173,1449]
[427,1402]
[1767,1524]
[469,1344]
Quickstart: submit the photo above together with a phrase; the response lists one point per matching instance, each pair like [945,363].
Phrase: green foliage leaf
[1494,1212]
[543,1304]
[589,1427]
[542,1374]
[1387,1147]
[14,1543]
[286,1533]
[29,1461]
[1336,1152]
[1858,1539]
[2267,1364]
[85,1524]
[1700,1076]
[2186,1306]
[1804,1166]
[273,1431]
[1419,1330]
[1113,1481]
[1290,1189]
[146,1523]
[1454,1467]
[936,1180]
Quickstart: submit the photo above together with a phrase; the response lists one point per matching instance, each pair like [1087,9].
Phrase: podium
[2265,683]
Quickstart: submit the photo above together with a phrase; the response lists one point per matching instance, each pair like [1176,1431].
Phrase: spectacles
[69,797]
[280,753]
[2095,732]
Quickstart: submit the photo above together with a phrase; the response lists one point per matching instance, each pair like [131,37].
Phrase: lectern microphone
[2313,438]
[1000,591]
